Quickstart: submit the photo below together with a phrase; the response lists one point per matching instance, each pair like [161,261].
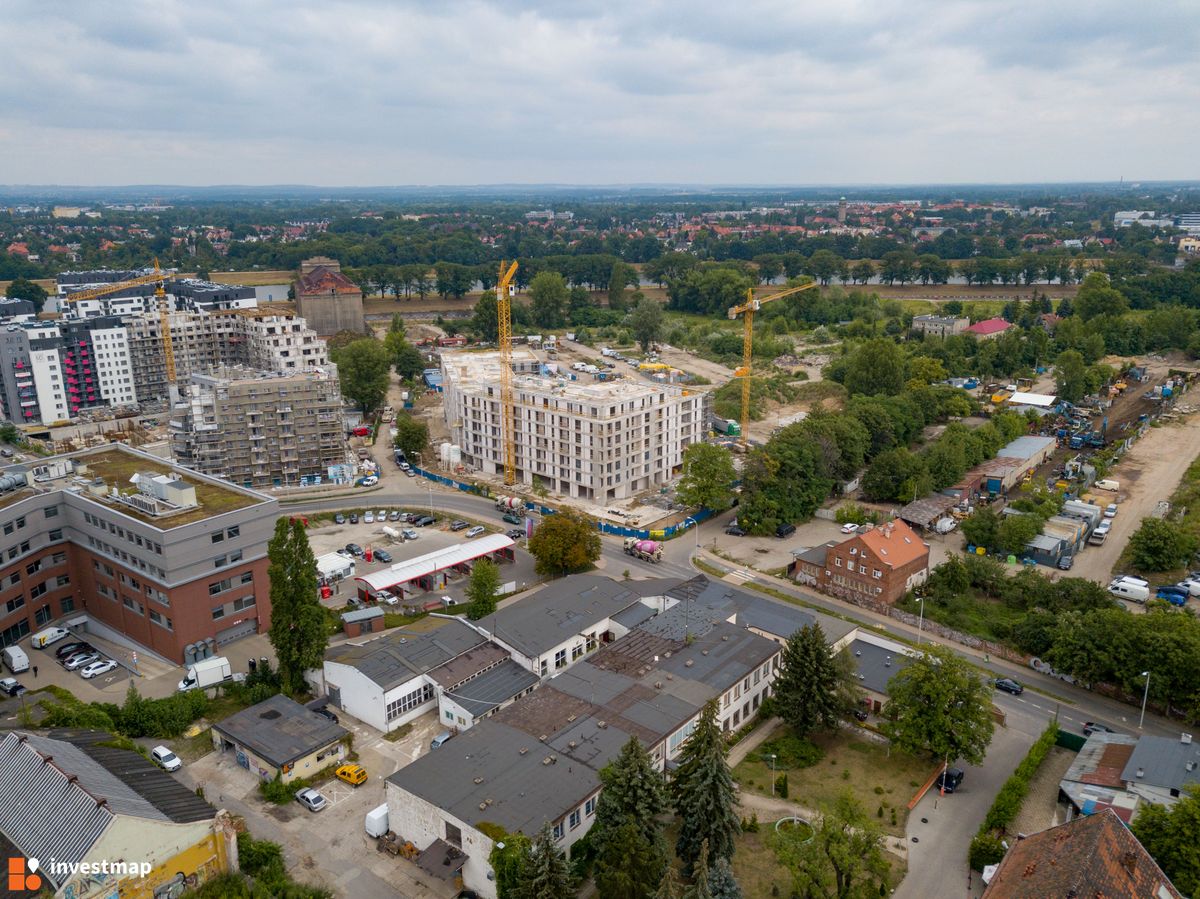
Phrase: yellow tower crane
[507,409]
[160,294]
[747,310]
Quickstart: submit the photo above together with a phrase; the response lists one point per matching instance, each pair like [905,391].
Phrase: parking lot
[327,536]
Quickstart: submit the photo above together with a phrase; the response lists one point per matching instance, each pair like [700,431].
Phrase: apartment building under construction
[261,429]
[594,440]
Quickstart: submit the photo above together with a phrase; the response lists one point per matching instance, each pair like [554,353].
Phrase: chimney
[1141,772]
[1185,739]
[1129,862]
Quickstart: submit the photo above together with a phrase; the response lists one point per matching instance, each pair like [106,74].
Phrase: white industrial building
[594,440]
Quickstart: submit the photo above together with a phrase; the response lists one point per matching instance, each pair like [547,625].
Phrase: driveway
[328,848]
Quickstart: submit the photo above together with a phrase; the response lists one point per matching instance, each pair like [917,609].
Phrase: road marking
[740,575]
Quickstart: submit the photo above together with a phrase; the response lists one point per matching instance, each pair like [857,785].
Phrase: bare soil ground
[1040,809]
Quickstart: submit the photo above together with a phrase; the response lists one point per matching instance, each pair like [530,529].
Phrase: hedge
[986,847]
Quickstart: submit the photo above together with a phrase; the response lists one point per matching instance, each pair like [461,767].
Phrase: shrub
[790,751]
[781,786]
[986,849]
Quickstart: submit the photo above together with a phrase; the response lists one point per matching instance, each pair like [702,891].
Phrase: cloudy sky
[397,92]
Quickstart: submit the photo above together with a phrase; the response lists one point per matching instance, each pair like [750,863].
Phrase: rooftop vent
[571,744]
[482,806]
[689,663]
[1185,738]
[658,685]
[1141,772]
[478,780]
[725,637]
[857,653]
[571,718]
[1191,766]
[546,760]
[602,724]
[523,750]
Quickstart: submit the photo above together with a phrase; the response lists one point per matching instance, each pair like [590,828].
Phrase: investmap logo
[23,876]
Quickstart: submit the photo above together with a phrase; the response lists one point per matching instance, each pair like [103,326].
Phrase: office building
[260,429]
[114,541]
[593,440]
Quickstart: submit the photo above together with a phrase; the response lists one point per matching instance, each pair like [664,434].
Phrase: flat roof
[1025,448]
[280,730]
[1163,762]
[876,665]
[1031,399]
[497,685]
[438,560]
[473,370]
[397,657]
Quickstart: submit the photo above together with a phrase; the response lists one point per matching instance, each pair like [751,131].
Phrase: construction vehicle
[160,293]
[646,550]
[504,293]
[510,504]
[747,310]
[725,426]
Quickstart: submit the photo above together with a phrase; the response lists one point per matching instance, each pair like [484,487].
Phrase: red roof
[989,326]
[894,544]
[322,280]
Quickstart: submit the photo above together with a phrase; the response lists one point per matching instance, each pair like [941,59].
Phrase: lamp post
[696,525]
[921,620]
[1145,696]
[429,487]
[772,758]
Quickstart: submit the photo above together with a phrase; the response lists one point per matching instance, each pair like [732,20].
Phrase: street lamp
[921,620]
[1145,696]
[429,487]
[696,525]
[772,758]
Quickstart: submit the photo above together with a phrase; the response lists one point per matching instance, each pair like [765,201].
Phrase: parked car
[1008,685]
[354,549]
[734,531]
[382,555]
[355,775]
[475,531]
[513,518]
[97,668]
[407,517]
[381,515]
[394,515]
[458,524]
[387,598]
[1110,511]
[849,528]
[354,518]
[1093,727]
[368,481]
[369,518]
[69,649]
[1177,596]
[311,799]
[785,530]
[514,534]
[408,472]
[77,661]
[409,534]
[440,740]
[165,758]
[948,781]
[324,712]
[11,686]
[1066,562]
[339,518]
[425,521]
[1191,584]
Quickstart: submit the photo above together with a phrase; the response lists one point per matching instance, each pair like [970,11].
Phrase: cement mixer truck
[646,550]
[510,504]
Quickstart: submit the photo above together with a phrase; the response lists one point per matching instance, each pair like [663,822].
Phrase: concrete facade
[328,300]
[599,441]
[74,552]
[940,325]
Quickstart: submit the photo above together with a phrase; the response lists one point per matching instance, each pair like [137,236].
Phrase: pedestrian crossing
[739,576]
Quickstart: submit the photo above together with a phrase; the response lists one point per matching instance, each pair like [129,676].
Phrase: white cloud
[377,92]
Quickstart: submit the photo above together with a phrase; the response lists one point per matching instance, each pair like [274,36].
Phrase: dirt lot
[1040,809]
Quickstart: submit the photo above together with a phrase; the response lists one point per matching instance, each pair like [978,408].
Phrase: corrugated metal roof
[439,560]
[362,615]
[483,693]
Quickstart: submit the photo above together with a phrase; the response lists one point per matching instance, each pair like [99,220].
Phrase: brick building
[116,542]
[881,564]
[326,299]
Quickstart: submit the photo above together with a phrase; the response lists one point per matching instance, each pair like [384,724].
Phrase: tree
[622,276]
[823,265]
[509,862]
[668,887]
[814,689]
[481,589]
[548,299]
[863,271]
[299,630]
[981,527]
[699,888]
[1172,837]
[1096,296]
[412,436]
[721,882]
[926,370]
[1160,546]
[1015,532]
[877,366]
[843,857]
[1070,376]
[545,873]
[564,543]
[708,476]
[24,289]
[628,867]
[634,792]
[363,372]
[486,321]
[938,704]
[703,792]
[897,475]
[646,321]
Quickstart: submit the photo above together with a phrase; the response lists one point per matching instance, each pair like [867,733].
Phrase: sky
[442,92]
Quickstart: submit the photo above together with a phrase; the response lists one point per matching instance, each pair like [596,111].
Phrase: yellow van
[352,774]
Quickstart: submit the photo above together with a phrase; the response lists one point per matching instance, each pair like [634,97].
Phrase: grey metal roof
[397,657]
[634,615]
[498,685]
[815,555]
[558,611]
[1163,763]
[875,665]
[1095,774]
[1045,543]
[280,730]
[362,615]
[924,511]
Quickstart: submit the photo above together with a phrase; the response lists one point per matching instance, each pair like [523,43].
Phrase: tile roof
[280,730]
[1091,857]
[989,326]
[322,280]
[895,544]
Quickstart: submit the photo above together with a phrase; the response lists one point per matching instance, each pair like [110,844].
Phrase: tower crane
[507,407]
[747,310]
[160,293]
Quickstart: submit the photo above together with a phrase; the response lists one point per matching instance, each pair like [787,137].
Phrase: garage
[237,632]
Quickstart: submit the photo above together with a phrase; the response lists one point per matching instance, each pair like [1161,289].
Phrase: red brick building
[881,564]
[326,299]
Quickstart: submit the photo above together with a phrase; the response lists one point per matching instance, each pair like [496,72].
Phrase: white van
[15,659]
[50,635]
[1108,484]
[1130,590]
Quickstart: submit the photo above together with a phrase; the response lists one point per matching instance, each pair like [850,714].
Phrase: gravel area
[1040,809]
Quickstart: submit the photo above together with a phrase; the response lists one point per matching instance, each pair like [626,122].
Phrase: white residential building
[595,440]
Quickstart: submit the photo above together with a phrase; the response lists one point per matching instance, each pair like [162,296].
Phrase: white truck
[206,673]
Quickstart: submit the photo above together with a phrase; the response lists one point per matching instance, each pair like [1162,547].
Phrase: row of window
[238,605]
[131,536]
[575,817]
[409,701]
[862,569]
[231,533]
[21,629]
[132,561]
[246,577]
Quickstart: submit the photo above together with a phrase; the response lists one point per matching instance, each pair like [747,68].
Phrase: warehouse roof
[430,563]
[397,657]
[495,686]
[279,730]
[1041,400]
[1025,448]
[1163,762]
[926,510]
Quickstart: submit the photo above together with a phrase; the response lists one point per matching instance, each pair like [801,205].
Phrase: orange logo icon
[21,875]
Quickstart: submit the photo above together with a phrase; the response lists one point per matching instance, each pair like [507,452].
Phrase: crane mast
[507,407]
